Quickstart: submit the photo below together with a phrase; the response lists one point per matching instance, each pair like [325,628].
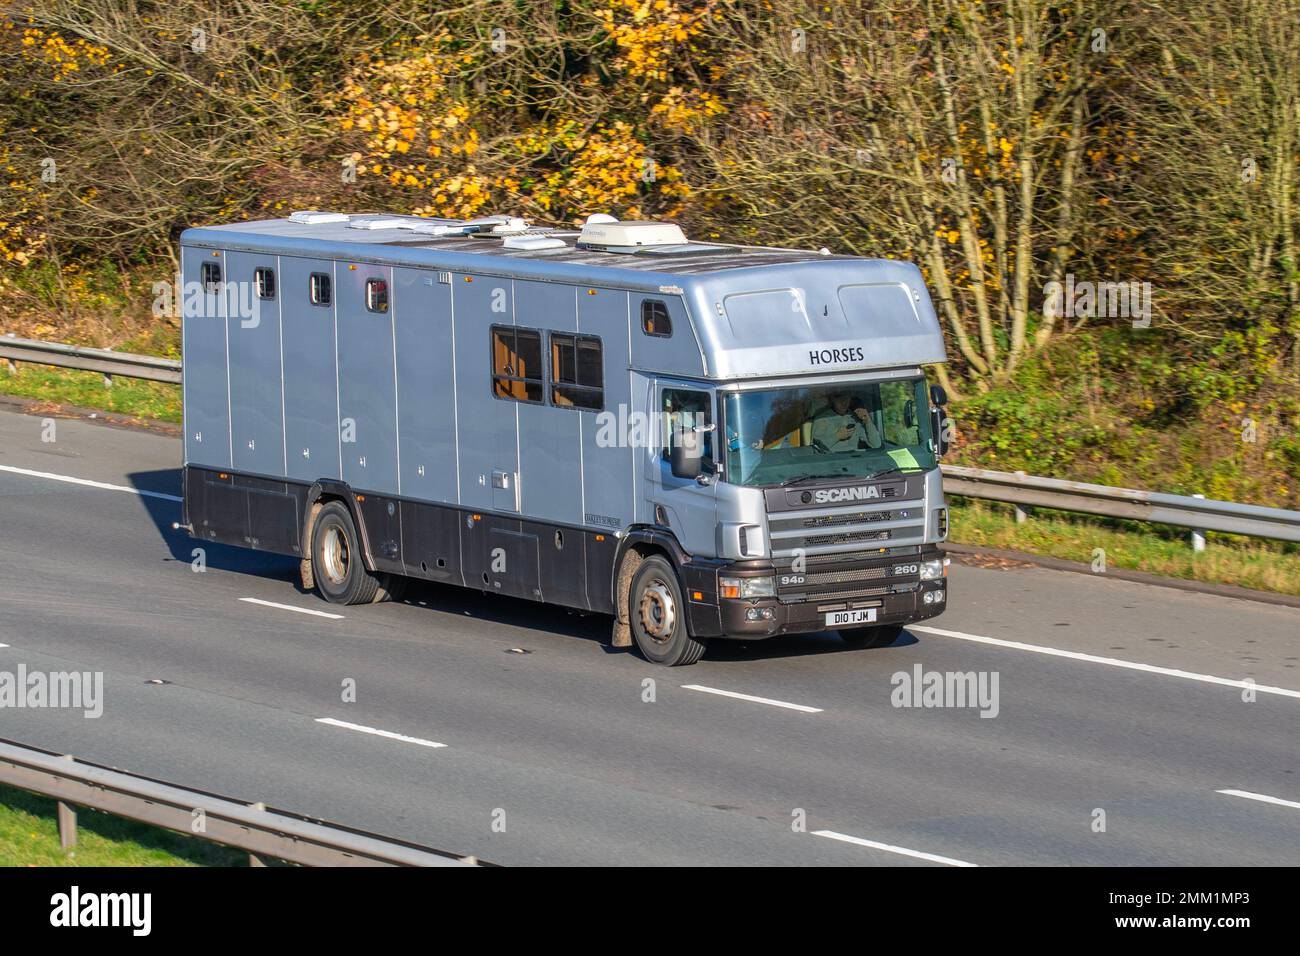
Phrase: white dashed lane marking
[1108,661]
[889,848]
[290,607]
[1261,798]
[752,699]
[86,482]
[388,734]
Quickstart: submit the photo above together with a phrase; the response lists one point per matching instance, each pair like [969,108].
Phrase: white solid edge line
[290,607]
[858,841]
[88,483]
[378,733]
[756,700]
[1110,661]
[1261,797]
[4,645]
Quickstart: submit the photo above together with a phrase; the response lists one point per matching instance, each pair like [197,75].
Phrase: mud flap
[622,633]
[304,566]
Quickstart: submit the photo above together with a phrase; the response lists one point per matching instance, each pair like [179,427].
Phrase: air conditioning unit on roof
[630,236]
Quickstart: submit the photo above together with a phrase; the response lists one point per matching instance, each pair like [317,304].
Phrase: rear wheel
[658,615]
[881,636]
[341,576]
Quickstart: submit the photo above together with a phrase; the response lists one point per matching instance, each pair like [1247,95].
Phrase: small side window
[210,276]
[686,408]
[654,318]
[320,288]
[516,364]
[376,295]
[577,371]
[265,281]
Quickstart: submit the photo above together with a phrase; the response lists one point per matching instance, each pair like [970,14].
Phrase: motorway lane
[561,739]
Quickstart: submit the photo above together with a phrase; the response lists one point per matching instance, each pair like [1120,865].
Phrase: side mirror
[937,418]
[938,396]
[687,456]
[909,413]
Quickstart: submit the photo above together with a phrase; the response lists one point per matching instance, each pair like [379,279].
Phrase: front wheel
[881,636]
[658,615]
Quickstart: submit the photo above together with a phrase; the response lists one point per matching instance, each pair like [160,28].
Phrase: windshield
[850,430]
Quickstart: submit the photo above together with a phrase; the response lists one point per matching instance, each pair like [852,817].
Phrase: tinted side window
[577,371]
[320,289]
[376,295]
[655,319]
[516,364]
[265,281]
[210,276]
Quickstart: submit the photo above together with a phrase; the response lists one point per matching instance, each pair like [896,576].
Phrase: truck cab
[804,466]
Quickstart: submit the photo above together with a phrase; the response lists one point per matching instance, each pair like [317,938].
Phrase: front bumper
[757,618]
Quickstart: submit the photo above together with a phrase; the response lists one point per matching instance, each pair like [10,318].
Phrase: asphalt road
[1113,697]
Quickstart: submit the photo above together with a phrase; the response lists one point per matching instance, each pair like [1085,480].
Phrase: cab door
[685,506]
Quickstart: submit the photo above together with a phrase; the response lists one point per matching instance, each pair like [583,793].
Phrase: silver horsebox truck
[703,440]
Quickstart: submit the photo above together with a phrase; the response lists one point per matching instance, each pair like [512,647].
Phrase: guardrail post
[108,380]
[67,818]
[1198,537]
[67,826]
[12,366]
[1021,514]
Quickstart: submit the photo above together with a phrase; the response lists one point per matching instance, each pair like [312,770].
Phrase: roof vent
[532,243]
[311,217]
[499,225]
[629,236]
[379,222]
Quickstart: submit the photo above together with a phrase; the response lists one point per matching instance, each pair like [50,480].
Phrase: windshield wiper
[799,479]
[889,471]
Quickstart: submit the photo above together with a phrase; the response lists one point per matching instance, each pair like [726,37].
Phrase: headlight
[934,570]
[746,587]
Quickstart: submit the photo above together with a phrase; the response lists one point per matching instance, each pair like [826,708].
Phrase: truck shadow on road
[181,547]
[547,620]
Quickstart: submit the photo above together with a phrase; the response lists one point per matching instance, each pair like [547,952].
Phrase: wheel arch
[638,544]
[323,491]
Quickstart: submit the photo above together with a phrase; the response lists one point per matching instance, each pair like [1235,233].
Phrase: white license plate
[849,618]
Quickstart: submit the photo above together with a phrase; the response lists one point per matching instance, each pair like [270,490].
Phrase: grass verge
[1227,559]
[128,396]
[29,836]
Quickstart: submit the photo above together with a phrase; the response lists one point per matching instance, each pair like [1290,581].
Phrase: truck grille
[856,517]
[823,539]
[836,532]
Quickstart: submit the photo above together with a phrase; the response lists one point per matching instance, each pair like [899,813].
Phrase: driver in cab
[845,425]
